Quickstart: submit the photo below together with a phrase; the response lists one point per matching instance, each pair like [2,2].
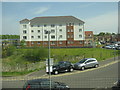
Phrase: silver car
[86,63]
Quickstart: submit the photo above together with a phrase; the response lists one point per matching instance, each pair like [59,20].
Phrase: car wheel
[96,65]
[82,68]
[56,72]
[71,69]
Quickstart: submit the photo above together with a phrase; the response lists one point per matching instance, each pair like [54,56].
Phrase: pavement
[42,73]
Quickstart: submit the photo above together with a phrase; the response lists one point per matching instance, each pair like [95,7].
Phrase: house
[65,31]
[89,37]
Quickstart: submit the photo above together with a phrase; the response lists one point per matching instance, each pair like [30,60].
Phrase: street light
[48,32]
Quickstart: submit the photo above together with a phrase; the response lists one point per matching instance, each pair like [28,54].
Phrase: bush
[8,51]
[35,54]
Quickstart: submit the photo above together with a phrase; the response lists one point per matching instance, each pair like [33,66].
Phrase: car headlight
[54,68]
[67,86]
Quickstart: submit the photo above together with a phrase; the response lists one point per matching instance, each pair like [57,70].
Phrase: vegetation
[9,36]
[23,57]
[72,54]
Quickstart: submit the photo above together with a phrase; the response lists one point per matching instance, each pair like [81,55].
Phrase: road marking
[65,74]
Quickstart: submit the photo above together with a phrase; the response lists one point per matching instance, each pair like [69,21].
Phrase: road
[102,77]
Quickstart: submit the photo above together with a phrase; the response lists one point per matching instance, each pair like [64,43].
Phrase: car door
[88,64]
[62,67]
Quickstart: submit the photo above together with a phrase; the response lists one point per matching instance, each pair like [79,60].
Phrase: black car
[44,84]
[62,66]
[116,86]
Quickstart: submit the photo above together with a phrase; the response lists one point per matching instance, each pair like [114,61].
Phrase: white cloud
[103,23]
[41,10]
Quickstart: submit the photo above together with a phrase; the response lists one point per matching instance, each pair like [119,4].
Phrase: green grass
[98,53]
[60,54]
[6,74]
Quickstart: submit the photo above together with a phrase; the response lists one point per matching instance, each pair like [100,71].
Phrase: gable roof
[24,21]
[54,19]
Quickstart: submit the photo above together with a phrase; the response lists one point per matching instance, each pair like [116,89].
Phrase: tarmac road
[102,77]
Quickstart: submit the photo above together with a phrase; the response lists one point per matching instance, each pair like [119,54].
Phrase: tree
[101,34]
[22,43]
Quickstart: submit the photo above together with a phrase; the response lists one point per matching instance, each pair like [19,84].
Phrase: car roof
[90,58]
[64,61]
[37,80]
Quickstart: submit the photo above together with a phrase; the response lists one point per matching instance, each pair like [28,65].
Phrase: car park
[86,63]
[44,84]
[110,46]
[62,66]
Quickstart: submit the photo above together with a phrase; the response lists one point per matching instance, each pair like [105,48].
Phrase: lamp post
[48,32]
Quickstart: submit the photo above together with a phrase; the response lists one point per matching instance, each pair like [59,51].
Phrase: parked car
[110,47]
[62,66]
[44,84]
[118,47]
[116,86]
[86,63]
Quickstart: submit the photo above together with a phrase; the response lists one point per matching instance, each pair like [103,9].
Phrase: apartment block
[65,31]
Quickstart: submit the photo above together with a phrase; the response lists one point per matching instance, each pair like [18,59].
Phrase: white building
[64,31]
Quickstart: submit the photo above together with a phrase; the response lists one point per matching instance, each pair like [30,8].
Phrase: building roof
[24,21]
[53,19]
[88,32]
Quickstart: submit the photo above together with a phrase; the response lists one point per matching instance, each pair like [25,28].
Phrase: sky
[98,16]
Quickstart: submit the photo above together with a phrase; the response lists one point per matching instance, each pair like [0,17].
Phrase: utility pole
[49,66]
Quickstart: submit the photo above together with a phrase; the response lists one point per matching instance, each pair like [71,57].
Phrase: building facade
[89,38]
[65,31]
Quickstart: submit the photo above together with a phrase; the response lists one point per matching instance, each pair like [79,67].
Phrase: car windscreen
[59,63]
[82,61]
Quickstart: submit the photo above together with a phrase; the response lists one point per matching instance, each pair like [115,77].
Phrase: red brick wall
[45,43]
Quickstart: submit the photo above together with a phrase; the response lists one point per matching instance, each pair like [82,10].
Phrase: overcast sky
[98,16]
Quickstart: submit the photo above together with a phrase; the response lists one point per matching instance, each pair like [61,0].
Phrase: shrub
[35,54]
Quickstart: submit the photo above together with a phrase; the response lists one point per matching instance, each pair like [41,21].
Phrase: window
[53,37]
[38,31]
[32,36]
[60,36]
[52,25]
[45,36]
[45,42]
[38,42]
[68,30]
[32,42]
[31,25]
[71,36]
[38,25]
[81,42]
[80,30]
[38,36]
[32,31]
[80,24]
[72,30]
[60,25]
[45,32]
[24,26]
[52,43]
[60,42]
[52,31]
[69,24]
[45,25]
[68,42]
[68,36]
[80,36]
[24,31]
[60,30]
[72,42]
[24,37]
